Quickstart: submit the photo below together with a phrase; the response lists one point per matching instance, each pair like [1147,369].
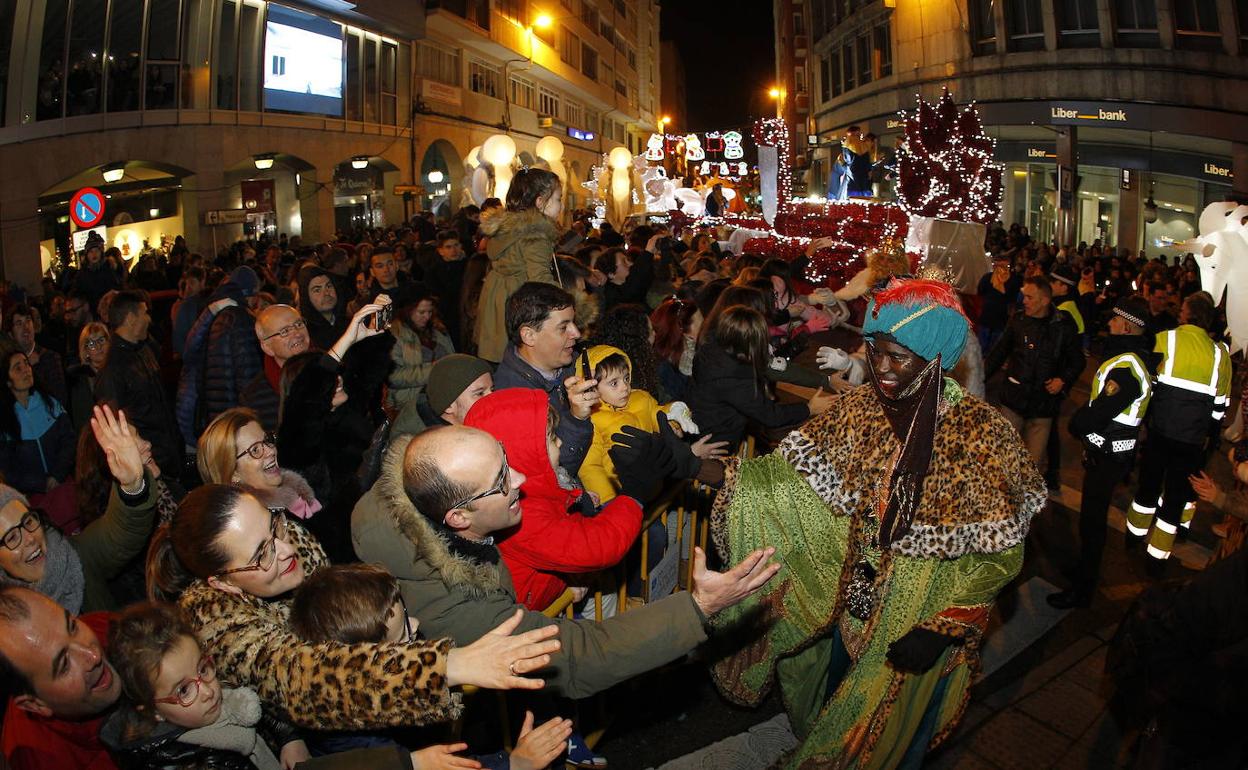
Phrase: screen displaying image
[302,63]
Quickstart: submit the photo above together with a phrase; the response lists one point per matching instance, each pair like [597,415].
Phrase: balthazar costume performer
[899,515]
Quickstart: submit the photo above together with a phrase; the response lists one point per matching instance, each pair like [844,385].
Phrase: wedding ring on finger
[512,668]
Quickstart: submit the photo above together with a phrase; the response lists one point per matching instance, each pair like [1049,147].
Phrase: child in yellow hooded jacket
[621,405]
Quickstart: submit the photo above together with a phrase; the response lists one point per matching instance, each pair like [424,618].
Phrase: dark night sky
[728,49]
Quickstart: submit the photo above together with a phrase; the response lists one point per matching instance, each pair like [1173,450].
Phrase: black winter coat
[231,359]
[131,380]
[1034,351]
[161,749]
[725,396]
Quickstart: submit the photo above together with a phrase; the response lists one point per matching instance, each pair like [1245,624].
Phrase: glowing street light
[543,21]
[359,162]
[436,177]
[263,161]
[774,93]
[113,172]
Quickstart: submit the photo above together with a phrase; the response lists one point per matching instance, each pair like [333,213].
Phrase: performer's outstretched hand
[714,591]
[918,650]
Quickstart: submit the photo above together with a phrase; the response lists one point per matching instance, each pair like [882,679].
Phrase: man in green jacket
[454,581]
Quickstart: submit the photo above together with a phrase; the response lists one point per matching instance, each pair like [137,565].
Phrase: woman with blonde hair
[93,343]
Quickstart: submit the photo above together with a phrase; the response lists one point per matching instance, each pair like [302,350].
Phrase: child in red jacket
[554,541]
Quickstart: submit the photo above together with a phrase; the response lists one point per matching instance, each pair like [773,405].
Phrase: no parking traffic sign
[86,208]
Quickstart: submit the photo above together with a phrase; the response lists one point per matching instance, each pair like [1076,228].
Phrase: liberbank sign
[1213,124]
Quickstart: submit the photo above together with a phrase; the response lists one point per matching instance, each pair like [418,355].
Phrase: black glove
[643,461]
[918,650]
[687,463]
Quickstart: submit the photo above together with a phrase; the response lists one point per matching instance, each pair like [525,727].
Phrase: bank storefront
[1142,172]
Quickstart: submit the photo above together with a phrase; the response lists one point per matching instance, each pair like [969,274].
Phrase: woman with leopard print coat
[231,565]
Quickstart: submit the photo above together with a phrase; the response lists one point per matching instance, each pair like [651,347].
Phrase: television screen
[302,63]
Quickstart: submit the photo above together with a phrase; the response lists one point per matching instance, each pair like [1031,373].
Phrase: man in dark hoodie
[95,278]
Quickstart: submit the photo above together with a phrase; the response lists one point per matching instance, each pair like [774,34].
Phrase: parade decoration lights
[499,151]
[732,146]
[945,164]
[775,166]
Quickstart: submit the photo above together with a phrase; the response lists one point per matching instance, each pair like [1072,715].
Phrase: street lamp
[113,172]
[263,161]
[778,94]
[543,21]
[359,161]
[436,177]
[664,122]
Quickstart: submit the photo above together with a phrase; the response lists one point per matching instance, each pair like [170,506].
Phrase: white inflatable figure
[691,201]
[723,169]
[705,168]
[1221,252]
[481,183]
[732,146]
[743,169]
[654,148]
[693,149]
[660,192]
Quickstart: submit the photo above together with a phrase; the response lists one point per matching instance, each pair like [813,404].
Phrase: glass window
[522,93]
[125,31]
[1241,19]
[437,63]
[863,49]
[6,43]
[162,30]
[84,82]
[1025,25]
[250,56]
[225,57]
[484,79]
[884,49]
[353,88]
[825,79]
[1196,25]
[834,73]
[1077,24]
[799,80]
[799,24]
[547,102]
[983,27]
[1136,23]
[389,82]
[589,61]
[371,94]
[52,61]
[847,65]
[572,113]
[589,15]
[569,48]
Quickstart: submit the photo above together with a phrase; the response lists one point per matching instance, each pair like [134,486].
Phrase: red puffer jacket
[551,541]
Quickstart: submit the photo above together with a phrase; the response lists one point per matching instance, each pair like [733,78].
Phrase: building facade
[1144,101]
[211,118]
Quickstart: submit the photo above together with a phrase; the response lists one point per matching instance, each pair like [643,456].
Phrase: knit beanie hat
[923,315]
[246,280]
[451,376]
[8,494]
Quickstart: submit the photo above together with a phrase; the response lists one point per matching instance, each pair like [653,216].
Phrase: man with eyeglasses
[431,519]
[77,315]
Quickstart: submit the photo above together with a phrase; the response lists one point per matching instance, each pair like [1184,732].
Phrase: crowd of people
[275,507]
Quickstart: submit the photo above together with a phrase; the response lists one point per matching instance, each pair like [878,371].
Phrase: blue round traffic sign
[86,208]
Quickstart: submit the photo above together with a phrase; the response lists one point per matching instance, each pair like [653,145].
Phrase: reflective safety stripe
[1189,513]
[1096,440]
[1166,526]
[1123,445]
[1134,413]
[1125,419]
[1138,520]
[1161,541]
[1142,508]
[1157,553]
[1166,375]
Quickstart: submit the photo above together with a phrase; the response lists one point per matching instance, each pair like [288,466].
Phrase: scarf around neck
[912,417]
[62,572]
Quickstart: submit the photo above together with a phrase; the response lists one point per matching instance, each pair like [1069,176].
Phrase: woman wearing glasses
[231,564]
[93,343]
[77,570]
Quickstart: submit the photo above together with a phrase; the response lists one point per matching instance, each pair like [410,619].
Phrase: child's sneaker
[581,756]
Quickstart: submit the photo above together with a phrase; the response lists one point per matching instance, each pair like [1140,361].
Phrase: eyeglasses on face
[13,536]
[502,485]
[266,557]
[95,343]
[187,692]
[286,330]
[256,450]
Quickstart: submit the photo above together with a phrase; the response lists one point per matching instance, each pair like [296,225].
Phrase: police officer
[1108,426]
[1190,397]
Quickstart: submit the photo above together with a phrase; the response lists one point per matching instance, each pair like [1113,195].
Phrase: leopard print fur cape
[329,686]
[979,496]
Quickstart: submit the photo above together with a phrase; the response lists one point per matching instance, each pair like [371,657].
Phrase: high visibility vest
[1119,438]
[1072,310]
[1193,383]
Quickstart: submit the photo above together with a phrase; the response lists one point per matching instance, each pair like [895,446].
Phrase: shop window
[1196,25]
[437,63]
[1025,25]
[1135,23]
[1077,24]
[161,76]
[84,80]
[983,27]
[884,50]
[484,79]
